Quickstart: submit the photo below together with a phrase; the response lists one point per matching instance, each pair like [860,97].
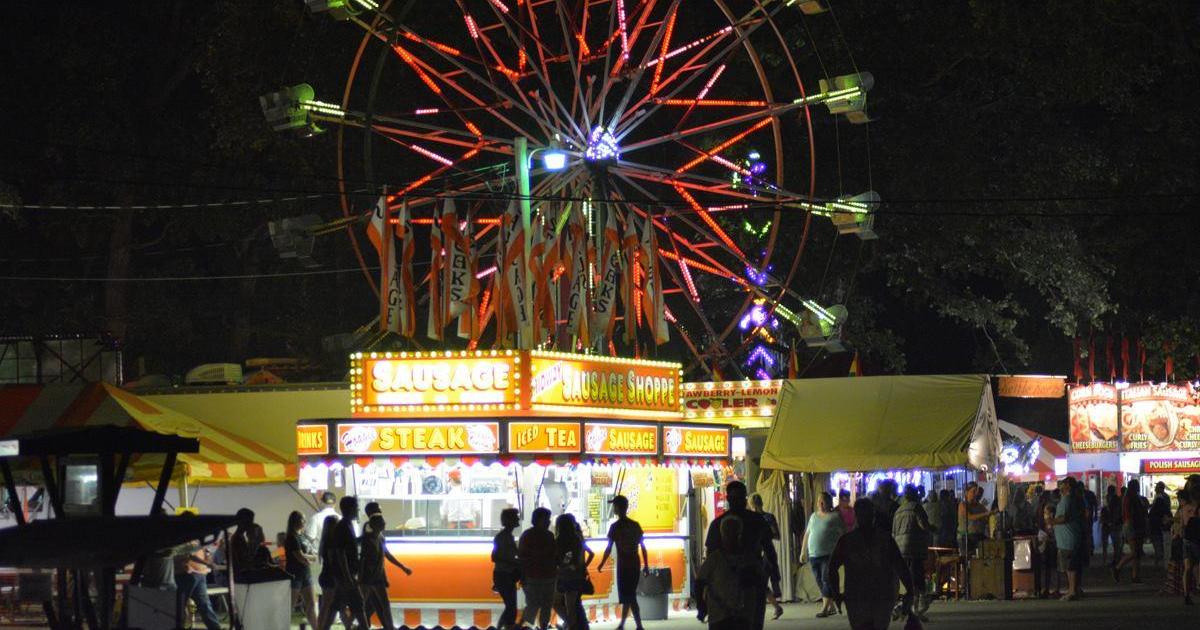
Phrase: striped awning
[1050,448]
[224,458]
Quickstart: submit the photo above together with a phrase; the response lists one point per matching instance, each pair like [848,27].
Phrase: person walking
[1158,521]
[506,569]
[372,580]
[1187,530]
[536,553]
[1109,535]
[723,600]
[625,534]
[884,498]
[346,557]
[1068,538]
[910,528]
[874,572]
[755,548]
[825,527]
[192,565]
[316,524]
[299,558]
[845,510]
[572,558]
[1133,530]
[325,578]
[1046,565]
[775,593]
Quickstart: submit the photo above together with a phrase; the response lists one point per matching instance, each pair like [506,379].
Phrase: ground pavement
[1106,606]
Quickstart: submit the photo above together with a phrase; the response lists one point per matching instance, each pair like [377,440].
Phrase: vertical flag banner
[537,249]
[652,301]
[577,300]
[514,270]
[605,301]
[548,297]
[457,272]
[436,321]
[376,233]
[629,288]
[399,313]
[468,317]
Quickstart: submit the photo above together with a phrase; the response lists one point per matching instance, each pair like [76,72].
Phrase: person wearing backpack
[725,600]
[1133,530]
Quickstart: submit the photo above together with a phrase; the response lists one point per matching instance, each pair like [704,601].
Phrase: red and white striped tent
[1049,449]
[224,458]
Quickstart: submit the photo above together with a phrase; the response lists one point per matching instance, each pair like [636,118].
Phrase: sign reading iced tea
[1093,418]
[543,437]
[602,438]
[418,438]
[603,384]
[312,439]
[693,441]
[1160,417]
[386,385]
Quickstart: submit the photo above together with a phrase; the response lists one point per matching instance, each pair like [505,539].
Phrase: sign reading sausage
[602,438]
[693,441]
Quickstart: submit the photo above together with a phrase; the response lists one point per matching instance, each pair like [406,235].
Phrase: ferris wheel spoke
[743,33]
[708,185]
[643,11]
[639,72]
[442,137]
[574,61]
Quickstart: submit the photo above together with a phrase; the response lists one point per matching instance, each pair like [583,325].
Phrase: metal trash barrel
[653,594]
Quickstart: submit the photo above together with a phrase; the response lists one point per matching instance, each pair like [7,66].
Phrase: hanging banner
[1093,418]
[1030,386]
[544,437]
[597,385]
[312,439]
[691,441]
[1160,417]
[602,438]
[413,438]
[605,301]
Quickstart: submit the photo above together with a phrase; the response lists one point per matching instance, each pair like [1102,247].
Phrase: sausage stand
[446,440]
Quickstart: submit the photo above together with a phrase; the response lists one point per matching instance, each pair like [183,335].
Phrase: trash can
[653,594]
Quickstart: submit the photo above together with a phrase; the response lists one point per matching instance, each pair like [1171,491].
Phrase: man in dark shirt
[538,569]
[347,565]
[1160,515]
[755,546]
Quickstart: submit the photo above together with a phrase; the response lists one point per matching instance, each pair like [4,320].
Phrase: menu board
[1093,417]
[1161,417]
[653,497]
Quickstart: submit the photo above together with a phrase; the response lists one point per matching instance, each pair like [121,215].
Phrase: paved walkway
[1107,606]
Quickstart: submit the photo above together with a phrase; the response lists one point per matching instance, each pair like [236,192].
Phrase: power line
[247,276]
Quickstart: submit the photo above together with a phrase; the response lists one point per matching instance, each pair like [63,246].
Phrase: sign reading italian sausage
[1159,417]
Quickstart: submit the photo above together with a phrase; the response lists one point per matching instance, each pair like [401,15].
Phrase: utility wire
[247,276]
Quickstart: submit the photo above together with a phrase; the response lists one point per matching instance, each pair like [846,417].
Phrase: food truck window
[423,500]
[82,491]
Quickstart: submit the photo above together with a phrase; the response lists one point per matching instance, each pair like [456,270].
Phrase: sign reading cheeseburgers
[1093,418]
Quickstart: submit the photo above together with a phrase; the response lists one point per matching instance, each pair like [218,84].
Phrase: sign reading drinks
[1171,466]
[1160,417]
[418,438]
[731,399]
[564,380]
[543,437]
[388,385]
[603,438]
[312,439]
[1093,418]
[691,441]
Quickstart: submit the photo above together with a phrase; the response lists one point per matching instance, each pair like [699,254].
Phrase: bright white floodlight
[554,160]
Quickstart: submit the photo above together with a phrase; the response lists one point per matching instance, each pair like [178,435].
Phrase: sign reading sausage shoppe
[562,380]
[418,438]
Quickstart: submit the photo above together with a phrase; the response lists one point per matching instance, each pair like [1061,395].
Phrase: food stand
[446,440]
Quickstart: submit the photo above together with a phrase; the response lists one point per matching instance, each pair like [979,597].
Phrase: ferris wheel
[667,142]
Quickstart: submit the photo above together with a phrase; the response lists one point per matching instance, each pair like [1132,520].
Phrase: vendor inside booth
[445,442]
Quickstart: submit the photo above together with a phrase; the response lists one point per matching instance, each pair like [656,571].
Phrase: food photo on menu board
[1093,418]
[1161,417]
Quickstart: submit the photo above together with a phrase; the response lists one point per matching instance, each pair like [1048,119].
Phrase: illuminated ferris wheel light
[602,146]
